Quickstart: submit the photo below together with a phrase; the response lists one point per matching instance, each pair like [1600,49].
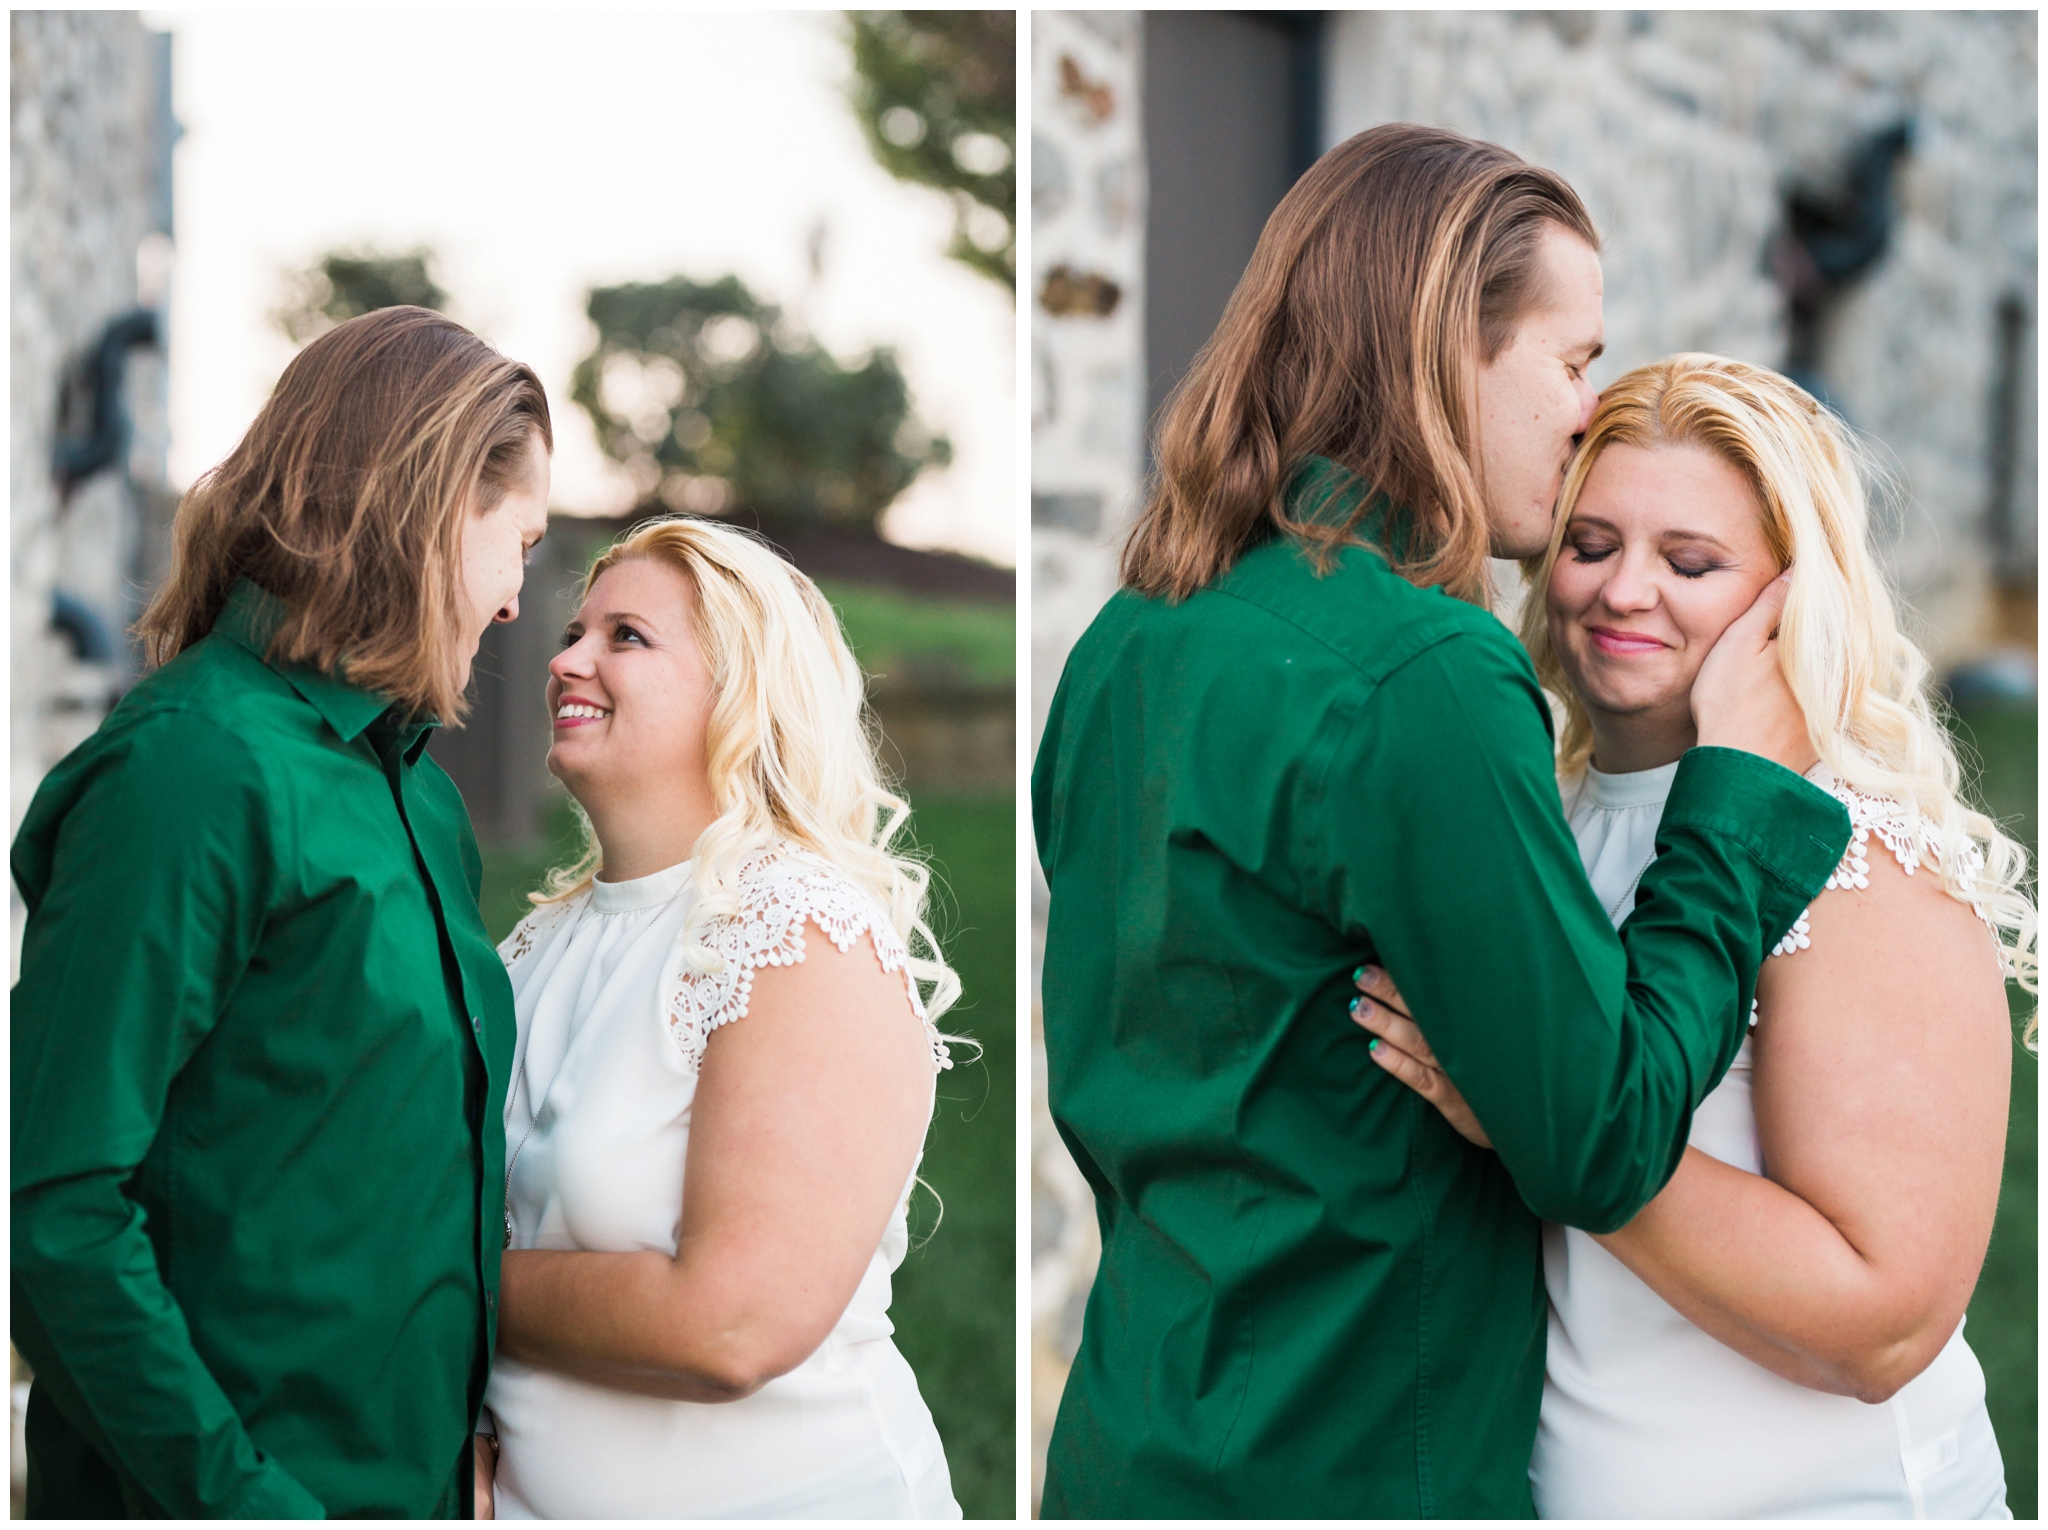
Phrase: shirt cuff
[1794,830]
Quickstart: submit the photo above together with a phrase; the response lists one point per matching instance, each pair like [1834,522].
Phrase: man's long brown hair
[1403,258]
[346,501]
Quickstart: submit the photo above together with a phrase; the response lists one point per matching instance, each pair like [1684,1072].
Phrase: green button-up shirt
[260,1046]
[1315,1298]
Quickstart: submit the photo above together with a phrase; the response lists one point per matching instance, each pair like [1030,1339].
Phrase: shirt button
[476,1024]
[491,1300]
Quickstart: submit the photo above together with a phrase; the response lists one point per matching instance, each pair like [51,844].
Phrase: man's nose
[509,611]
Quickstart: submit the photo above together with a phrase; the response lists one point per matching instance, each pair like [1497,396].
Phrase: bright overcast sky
[541,154]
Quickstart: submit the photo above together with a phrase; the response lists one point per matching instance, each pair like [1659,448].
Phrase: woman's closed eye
[1694,568]
[1591,552]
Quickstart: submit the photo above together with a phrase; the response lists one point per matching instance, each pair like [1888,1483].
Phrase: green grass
[955,1294]
[2004,1314]
[894,634]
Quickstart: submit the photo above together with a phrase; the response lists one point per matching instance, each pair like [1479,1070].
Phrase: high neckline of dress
[641,892]
[1629,789]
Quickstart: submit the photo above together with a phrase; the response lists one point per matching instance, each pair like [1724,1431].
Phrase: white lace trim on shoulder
[528,931]
[781,888]
[1902,832]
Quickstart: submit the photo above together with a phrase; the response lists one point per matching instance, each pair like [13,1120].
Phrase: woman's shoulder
[782,886]
[1897,856]
[1913,839]
[760,918]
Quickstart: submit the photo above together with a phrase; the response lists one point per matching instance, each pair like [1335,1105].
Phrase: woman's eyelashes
[1692,567]
[623,634]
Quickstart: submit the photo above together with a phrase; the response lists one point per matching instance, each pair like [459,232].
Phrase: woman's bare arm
[809,1114]
[1883,1060]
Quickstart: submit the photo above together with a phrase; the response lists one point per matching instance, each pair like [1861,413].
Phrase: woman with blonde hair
[260,1038]
[1779,1332]
[727,1061]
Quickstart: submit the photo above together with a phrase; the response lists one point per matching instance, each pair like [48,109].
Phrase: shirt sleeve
[1445,851]
[146,864]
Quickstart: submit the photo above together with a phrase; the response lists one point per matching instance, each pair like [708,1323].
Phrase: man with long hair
[1295,743]
[261,1038]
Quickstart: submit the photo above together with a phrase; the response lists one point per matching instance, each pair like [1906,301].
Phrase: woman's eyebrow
[613,618]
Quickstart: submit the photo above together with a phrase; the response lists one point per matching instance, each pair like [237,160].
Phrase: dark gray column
[1231,119]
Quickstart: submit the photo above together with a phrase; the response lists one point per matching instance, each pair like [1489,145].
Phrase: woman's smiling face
[630,692]
[1664,549]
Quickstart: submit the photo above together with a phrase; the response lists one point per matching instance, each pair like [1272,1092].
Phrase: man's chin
[1521,536]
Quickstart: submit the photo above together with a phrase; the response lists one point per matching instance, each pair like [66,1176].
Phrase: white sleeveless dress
[612,1030]
[1645,1416]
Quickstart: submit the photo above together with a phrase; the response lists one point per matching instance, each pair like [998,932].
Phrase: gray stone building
[89,498]
[1848,195]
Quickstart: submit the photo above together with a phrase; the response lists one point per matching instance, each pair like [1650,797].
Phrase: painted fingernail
[1357,973]
[1373,1045]
[1369,973]
[1353,1005]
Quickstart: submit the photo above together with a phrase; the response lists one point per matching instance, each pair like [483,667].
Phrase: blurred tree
[718,404]
[343,284]
[936,94]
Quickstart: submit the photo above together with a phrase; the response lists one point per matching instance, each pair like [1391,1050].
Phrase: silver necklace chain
[533,1122]
[1614,908]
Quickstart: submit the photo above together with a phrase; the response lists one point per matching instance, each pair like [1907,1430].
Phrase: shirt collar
[251,618]
[1326,493]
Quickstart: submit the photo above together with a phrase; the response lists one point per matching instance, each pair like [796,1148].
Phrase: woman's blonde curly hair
[790,744]
[1864,685]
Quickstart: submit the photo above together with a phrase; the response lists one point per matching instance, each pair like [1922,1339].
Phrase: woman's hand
[1740,699]
[486,1477]
[1399,1048]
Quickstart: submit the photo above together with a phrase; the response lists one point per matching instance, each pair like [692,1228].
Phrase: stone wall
[1087,362]
[1087,419]
[90,225]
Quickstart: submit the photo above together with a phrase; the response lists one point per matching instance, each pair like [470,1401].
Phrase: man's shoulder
[174,750]
[1352,625]
[208,718]
[216,679]
[1354,608]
